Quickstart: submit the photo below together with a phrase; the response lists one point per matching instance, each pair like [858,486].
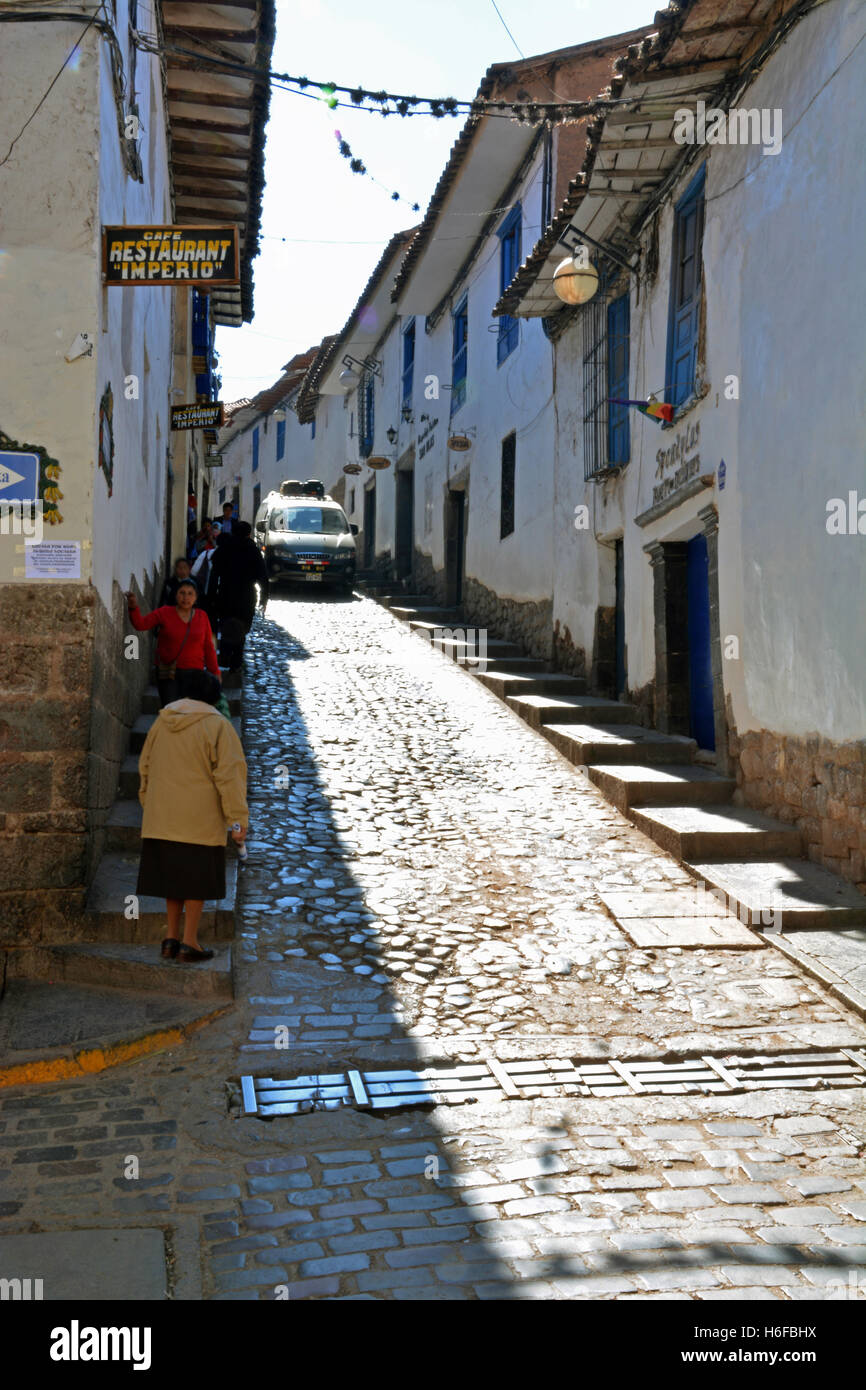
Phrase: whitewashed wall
[49,290]
[514,395]
[135,340]
[782,309]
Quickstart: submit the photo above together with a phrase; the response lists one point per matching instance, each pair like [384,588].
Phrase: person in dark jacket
[237,568]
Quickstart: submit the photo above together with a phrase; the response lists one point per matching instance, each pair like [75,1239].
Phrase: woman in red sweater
[185,641]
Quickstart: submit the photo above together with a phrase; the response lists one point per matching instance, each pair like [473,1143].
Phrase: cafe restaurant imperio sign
[209,416]
[199,255]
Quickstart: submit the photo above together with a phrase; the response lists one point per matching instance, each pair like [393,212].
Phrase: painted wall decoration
[106,436]
[48,475]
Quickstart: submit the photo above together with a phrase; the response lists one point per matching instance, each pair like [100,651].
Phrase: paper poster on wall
[53,560]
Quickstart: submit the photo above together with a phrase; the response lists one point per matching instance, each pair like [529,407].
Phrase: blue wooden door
[701,722]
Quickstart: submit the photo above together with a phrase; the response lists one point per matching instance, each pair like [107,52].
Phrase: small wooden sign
[378,461]
[203,256]
[209,416]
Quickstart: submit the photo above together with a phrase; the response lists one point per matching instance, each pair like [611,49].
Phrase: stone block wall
[528,624]
[812,783]
[67,699]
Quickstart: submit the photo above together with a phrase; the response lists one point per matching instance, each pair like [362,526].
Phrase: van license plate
[312,578]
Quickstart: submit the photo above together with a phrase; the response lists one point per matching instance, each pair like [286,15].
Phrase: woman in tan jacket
[193,779]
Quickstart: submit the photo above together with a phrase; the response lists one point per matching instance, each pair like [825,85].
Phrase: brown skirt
[171,869]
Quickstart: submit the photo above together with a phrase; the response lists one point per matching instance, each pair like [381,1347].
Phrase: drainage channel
[525,1080]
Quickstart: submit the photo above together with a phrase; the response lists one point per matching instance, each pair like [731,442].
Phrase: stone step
[578,709]
[127,787]
[435,617]
[125,965]
[557,682]
[409,600]
[140,728]
[787,893]
[123,826]
[723,832]
[52,1031]
[592,743]
[516,665]
[496,651]
[112,894]
[639,785]
[150,700]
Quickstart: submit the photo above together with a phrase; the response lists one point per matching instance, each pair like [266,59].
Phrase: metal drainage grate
[384,1090]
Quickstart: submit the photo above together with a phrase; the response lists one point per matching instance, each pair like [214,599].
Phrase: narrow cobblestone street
[423,885]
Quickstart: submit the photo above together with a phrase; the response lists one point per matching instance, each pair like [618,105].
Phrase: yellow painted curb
[96,1059]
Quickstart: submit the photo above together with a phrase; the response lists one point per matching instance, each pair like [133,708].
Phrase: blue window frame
[408,362]
[618,431]
[366,414]
[509,260]
[281,438]
[685,300]
[459,354]
[255,448]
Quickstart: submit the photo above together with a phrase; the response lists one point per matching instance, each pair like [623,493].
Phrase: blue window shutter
[281,438]
[312,429]
[408,362]
[459,354]
[685,301]
[509,261]
[618,430]
[255,448]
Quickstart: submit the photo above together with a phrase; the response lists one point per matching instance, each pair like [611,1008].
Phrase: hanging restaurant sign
[209,416]
[199,255]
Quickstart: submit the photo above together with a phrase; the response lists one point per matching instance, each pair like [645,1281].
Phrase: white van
[306,537]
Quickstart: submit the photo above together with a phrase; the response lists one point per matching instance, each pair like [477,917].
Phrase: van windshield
[310,521]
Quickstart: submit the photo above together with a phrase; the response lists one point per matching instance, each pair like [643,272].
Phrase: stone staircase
[109,996]
[683,805]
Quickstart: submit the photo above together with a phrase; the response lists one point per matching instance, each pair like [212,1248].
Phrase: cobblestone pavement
[423,885]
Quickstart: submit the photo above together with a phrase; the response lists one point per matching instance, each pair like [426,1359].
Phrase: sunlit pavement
[423,888]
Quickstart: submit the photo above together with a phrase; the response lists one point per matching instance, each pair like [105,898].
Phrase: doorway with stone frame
[689,688]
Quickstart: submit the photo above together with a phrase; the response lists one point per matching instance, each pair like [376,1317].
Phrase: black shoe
[170,948]
[190,955]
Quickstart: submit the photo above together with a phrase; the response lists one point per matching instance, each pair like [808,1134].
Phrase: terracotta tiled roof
[308,394]
[497,76]
[328,351]
[690,37]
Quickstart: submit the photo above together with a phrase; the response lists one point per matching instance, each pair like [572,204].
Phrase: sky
[323,227]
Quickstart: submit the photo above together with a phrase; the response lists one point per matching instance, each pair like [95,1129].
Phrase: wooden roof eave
[217,162]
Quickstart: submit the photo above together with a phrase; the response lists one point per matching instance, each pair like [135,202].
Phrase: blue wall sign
[19,477]
[722,471]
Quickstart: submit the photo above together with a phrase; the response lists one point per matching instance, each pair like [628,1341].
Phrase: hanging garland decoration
[358,166]
[396,103]
[392,103]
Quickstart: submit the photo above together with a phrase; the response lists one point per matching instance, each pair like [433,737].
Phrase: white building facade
[706,569]
[88,375]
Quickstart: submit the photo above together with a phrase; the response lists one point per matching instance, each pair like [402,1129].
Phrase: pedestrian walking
[193,780]
[237,568]
[205,538]
[180,571]
[184,643]
[227,520]
[201,573]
